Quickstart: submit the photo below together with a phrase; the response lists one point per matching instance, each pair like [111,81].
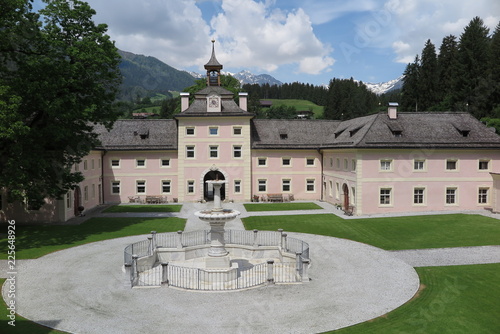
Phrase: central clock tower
[213,68]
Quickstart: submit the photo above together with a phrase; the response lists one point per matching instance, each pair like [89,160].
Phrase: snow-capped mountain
[384,87]
[246,77]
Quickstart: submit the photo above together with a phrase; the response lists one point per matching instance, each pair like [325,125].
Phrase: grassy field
[280,206]
[144,208]
[300,105]
[38,240]
[435,231]
[454,299]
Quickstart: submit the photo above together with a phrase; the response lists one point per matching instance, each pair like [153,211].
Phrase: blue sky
[307,41]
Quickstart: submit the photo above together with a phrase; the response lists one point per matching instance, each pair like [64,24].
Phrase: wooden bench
[155,199]
[275,197]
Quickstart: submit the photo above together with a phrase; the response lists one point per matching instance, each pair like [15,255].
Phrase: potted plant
[255,198]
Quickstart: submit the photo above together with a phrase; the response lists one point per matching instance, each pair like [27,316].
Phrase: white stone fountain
[218,256]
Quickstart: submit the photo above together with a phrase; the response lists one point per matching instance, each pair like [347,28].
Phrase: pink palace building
[390,162]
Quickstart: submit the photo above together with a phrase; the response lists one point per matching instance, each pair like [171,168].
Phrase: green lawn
[300,105]
[37,240]
[144,208]
[22,325]
[435,231]
[281,206]
[454,299]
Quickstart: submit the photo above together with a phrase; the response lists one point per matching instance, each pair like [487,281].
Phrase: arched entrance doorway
[76,200]
[345,190]
[208,190]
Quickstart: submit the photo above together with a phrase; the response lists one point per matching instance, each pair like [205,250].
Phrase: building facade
[383,163]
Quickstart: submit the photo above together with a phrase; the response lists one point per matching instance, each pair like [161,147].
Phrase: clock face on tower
[213,102]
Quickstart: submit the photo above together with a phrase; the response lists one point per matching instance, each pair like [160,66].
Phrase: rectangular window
[214,151]
[190,131]
[77,167]
[189,151]
[418,164]
[69,202]
[286,161]
[115,162]
[451,195]
[337,190]
[92,164]
[353,195]
[86,193]
[385,196]
[237,151]
[338,163]
[484,164]
[237,186]
[353,165]
[165,162]
[115,187]
[331,162]
[99,163]
[237,131]
[385,165]
[141,187]
[85,167]
[310,185]
[140,163]
[190,187]
[346,164]
[483,196]
[213,131]
[165,186]
[451,164]
[285,185]
[418,196]
[93,191]
[262,161]
[262,185]
[310,162]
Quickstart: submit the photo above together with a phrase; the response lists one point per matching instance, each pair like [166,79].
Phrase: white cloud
[415,21]
[324,11]
[254,34]
[171,30]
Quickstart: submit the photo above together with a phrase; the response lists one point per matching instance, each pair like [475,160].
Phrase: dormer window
[463,129]
[353,132]
[464,133]
[396,129]
[338,133]
[397,133]
[283,136]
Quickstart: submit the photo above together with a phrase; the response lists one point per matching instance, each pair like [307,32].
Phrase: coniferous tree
[494,65]
[410,91]
[428,78]
[448,69]
[473,58]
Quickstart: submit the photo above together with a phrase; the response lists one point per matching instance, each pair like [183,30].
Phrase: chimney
[243,101]
[392,110]
[184,101]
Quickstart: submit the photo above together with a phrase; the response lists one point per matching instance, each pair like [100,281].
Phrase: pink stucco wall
[298,172]
[467,179]
[128,173]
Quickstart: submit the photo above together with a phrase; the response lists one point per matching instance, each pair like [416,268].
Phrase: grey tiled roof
[140,134]
[300,134]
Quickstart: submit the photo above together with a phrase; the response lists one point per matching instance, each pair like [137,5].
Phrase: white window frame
[337,190]
[240,128]
[262,182]
[388,195]
[69,200]
[481,196]
[165,184]
[210,128]
[188,128]
[488,164]
[213,149]
[85,165]
[330,190]
[346,164]
[313,164]
[455,196]
[137,163]
[313,184]
[417,162]
[116,184]
[92,164]
[237,186]
[115,159]
[164,166]
[191,185]
[289,185]
[265,161]
[386,165]
[238,149]
[93,190]
[354,165]
[137,185]
[451,169]
[190,148]
[424,195]
[283,162]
